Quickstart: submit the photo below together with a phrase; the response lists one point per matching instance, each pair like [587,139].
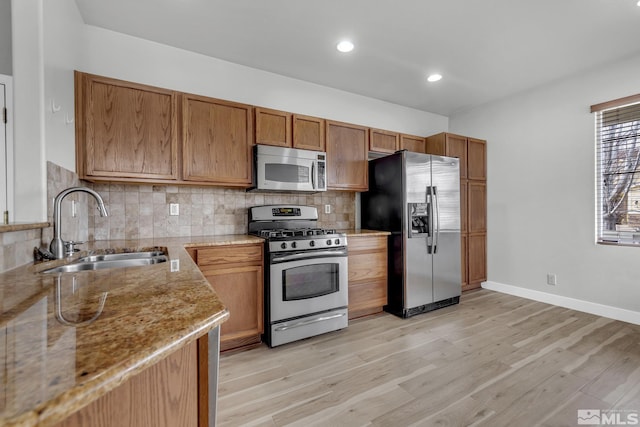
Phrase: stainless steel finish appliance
[289,169]
[417,198]
[306,273]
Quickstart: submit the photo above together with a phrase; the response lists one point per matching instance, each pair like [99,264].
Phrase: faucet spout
[57,244]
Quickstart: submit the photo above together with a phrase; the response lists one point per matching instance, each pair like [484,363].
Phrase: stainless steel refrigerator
[417,198]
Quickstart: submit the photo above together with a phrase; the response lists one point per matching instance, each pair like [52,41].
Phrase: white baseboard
[572,303]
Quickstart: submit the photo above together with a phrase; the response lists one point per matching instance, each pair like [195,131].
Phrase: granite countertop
[67,339]
[361,232]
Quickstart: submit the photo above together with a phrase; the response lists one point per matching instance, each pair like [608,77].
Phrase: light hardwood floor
[493,360]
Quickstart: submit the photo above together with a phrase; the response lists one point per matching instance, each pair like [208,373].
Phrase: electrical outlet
[74,209]
[552,279]
[174,209]
[327,209]
[175,265]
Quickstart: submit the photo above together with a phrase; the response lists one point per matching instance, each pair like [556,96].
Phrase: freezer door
[445,179]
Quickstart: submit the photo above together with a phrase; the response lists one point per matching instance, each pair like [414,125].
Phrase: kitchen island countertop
[66,339]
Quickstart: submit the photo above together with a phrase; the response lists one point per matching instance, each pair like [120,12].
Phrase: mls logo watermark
[608,417]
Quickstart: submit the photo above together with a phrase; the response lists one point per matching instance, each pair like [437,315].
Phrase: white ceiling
[486,49]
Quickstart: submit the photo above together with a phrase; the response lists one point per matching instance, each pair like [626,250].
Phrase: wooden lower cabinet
[236,274]
[477,260]
[367,275]
[165,394]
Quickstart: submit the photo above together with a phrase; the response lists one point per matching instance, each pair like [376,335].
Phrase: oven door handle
[309,255]
[309,322]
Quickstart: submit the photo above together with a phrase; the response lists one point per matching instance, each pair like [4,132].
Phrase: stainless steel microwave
[289,169]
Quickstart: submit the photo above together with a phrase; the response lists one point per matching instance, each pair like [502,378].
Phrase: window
[618,170]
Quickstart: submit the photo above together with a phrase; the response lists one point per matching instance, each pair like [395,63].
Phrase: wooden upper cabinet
[308,133]
[125,131]
[383,141]
[217,141]
[451,145]
[477,159]
[412,143]
[347,152]
[273,127]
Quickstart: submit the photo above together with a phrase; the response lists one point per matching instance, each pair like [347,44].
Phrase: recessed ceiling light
[434,78]
[345,46]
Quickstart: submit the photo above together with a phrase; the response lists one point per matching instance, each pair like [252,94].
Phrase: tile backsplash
[17,247]
[142,211]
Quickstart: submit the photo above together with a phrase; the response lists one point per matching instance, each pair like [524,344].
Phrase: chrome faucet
[58,245]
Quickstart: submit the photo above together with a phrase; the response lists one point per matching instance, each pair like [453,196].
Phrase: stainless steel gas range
[306,273]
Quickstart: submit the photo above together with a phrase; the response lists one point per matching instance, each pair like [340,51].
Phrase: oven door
[303,283]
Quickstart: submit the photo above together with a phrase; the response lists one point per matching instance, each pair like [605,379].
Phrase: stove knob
[337,241]
[329,242]
[294,245]
[283,245]
[312,243]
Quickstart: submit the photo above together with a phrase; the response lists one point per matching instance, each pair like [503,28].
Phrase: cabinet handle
[309,322]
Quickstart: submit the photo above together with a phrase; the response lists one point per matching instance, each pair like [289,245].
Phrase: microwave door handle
[313,175]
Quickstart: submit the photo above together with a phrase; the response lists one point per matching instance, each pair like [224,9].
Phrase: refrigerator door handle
[437,219]
[432,235]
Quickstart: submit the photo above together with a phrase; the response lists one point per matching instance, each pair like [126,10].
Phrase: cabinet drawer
[367,266]
[229,255]
[357,244]
[367,295]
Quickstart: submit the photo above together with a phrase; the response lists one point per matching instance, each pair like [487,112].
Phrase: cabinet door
[367,275]
[464,250]
[382,141]
[347,151]
[217,141]
[456,146]
[477,207]
[477,259]
[241,290]
[163,395]
[477,159]
[125,131]
[273,127]
[464,210]
[412,143]
[308,133]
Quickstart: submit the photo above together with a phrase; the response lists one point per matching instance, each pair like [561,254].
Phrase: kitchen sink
[122,256]
[100,262]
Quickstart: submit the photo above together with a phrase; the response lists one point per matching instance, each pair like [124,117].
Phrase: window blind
[618,171]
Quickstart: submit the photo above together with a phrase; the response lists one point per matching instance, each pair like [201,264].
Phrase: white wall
[63,29]
[129,58]
[50,40]
[28,79]
[5,38]
[541,189]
